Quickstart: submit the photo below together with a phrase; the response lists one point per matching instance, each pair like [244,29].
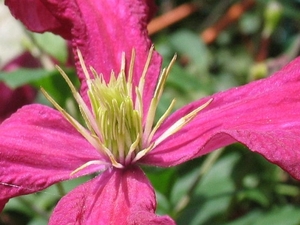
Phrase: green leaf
[212,195]
[287,215]
[193,47]
[161,178]
[38,221]
[53,45]
[21,77]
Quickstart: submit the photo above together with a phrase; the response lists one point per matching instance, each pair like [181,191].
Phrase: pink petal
[36,16]
[102,30]
[117,197]
[11,100]
[2,203]
[264,115]
[25,60]
[38,147]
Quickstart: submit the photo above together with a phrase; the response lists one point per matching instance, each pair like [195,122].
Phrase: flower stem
[61,189]
[206,166]
[210,34]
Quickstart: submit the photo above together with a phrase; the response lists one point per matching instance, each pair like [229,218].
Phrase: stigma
[114,120]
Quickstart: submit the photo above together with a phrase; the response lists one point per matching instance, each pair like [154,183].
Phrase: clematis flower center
[114,122]
[118,122]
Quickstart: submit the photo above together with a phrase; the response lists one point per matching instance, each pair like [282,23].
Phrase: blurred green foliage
[238,187]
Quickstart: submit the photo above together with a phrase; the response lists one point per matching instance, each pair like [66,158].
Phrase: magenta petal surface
[38,147]
[2,203]
[117,197]
[264,115]
[101,30]
[35,16]
[11,100]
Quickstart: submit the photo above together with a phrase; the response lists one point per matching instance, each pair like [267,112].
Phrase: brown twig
[263,49]
[232,15]
[161,22]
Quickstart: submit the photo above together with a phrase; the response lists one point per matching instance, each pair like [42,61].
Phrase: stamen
[155,100]
[163,78]
[84,110]
[74,122]
[89,119]
[85,71]
[93,162]
[123,62]
[139,103]
[133,147]
[161,120]
[115,121]
[130,72]
[147,64]
[181,123]
[144,152]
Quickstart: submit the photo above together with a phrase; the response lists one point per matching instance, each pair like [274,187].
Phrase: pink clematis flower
[10,99]
[40,146]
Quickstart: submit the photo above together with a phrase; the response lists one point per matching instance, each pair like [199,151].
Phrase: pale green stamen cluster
[114,123]
[119,123]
